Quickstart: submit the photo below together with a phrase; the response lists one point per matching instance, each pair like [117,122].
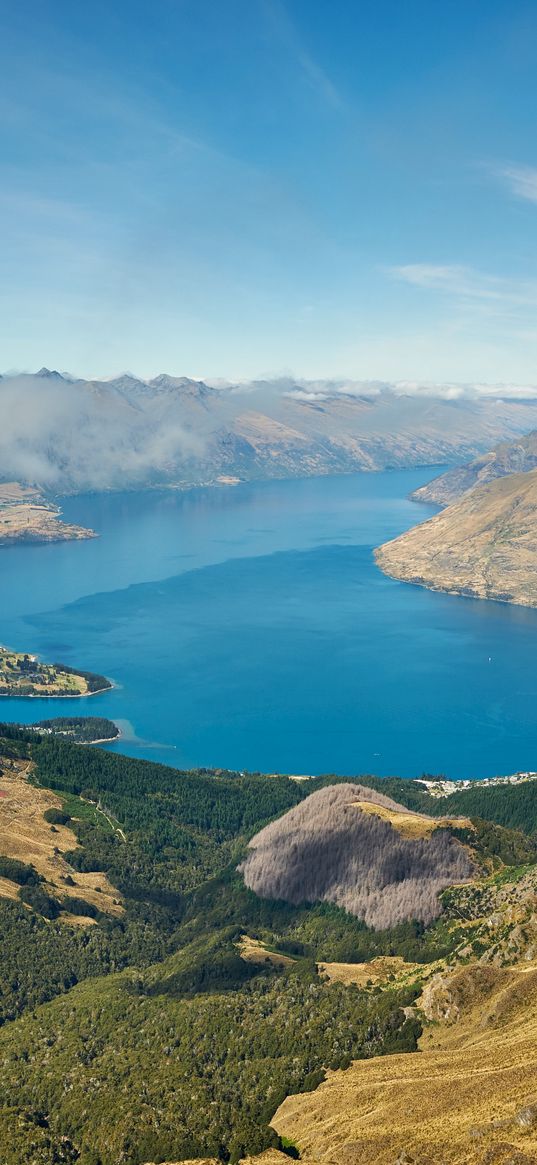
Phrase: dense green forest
[81,729]
[129,1069]
[147,1037]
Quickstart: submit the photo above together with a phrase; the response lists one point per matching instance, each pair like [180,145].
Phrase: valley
[221,603]
[268,513]
[207,964]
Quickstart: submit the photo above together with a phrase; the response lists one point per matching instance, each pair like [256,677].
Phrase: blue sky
[249,187]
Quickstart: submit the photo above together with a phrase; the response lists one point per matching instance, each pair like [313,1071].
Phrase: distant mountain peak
[165,383]
[49,374]
[126,380]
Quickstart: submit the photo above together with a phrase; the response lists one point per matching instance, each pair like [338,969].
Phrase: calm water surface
[249,628]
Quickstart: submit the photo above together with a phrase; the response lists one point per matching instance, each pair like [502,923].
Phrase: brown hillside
[342,845]
[26,517]
[485,545]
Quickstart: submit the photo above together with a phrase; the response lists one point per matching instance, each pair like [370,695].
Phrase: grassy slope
[468,1097]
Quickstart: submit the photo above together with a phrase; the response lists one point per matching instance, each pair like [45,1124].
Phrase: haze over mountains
[70,435]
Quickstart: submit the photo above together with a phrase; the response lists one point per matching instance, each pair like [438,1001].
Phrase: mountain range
[68,435]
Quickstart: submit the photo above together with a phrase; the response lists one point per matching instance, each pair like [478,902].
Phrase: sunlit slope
[468,1098]
[485,545]
[25,516]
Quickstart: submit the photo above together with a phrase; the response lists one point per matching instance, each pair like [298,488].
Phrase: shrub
[56,816]
[40,901]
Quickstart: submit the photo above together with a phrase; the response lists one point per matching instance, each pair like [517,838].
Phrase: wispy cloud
[521,181]
[468,284]
[287,33]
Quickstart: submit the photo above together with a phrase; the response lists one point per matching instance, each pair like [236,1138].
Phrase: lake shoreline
[54,696]
[334,667]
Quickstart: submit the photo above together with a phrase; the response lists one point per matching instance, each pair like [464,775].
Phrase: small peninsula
[22,674]
[26,516]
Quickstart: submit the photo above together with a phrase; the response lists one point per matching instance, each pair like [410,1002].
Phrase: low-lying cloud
[76,435]
[67,435]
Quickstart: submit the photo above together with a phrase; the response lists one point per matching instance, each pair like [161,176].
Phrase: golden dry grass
[253,951]
[8,889]
[409,824]
[25,516]
[469,1100]
[26,836]
[269,1157]
[13,491]
[484,544]
[377,971]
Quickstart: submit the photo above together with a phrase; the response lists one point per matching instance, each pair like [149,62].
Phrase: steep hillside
[353,847]
[468,1098]
[518,456]
[484,545]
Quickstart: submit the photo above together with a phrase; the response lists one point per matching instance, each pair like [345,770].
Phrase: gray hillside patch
[327,850]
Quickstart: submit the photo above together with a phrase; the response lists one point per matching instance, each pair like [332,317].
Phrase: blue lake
[249,628]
